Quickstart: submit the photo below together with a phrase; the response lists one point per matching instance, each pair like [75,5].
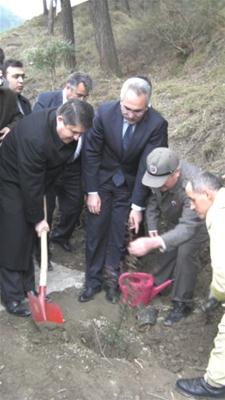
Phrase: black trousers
[182,265]
[68,190]
[106,233]
[16,284]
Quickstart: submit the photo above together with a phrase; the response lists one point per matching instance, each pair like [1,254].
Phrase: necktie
[127,136]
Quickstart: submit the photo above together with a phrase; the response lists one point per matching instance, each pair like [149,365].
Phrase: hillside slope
[189,91]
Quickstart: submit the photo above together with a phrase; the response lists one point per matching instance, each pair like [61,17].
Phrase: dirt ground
[100,351]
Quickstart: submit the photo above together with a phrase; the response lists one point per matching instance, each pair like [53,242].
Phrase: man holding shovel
[32,157]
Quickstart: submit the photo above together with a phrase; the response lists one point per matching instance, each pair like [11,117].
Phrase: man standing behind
[123,133]
[69,186]
[207,198]
[184,232]
[14,78]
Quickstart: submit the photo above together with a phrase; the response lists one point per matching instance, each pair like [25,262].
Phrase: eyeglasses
[17,76]
[129,110]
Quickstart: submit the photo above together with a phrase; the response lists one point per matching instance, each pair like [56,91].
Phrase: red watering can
[138,288]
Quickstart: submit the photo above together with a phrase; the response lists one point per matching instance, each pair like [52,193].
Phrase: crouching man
[179,245]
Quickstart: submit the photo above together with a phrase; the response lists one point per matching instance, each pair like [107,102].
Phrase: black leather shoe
[88,293]
[199,387]
[210,305]
[18,308]
[111,294]
[177,312]
[65,244]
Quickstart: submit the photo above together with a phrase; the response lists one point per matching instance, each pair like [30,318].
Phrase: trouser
[68,190]
[15,284]
[182,265]
[215,372]
[105,234]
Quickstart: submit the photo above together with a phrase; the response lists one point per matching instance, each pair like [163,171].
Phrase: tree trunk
[45,8]
[99,13]
[51,18]
[68,32]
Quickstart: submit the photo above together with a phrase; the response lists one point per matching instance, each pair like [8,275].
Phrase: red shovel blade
[42,310]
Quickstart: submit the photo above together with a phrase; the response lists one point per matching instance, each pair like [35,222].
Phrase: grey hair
[76,112]
[80,77]
[138,86]
[205,180]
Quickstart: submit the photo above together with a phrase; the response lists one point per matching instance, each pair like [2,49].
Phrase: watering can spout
[157,289]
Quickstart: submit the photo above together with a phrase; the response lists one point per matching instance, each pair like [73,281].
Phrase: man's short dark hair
[80,77]
[76,112]
[11,62]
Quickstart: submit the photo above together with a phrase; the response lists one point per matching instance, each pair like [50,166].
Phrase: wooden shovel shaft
[44,259]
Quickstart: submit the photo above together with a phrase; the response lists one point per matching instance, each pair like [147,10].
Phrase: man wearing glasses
[116,147]
[14,78]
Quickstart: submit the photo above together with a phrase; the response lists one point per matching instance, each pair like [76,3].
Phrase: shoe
[64,243]
[210,305]
[199,387]
[17,308]
[111,294]
[88,293]
[179,311]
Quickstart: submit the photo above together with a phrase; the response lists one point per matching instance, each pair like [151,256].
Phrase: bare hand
[94,203]
[3,132]
[134,220]
[141,246]
[41,226]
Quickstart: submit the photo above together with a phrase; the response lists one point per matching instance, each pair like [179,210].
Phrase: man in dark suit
[68,188]
[123,133]
[14,78]
[9,114]
[32,156]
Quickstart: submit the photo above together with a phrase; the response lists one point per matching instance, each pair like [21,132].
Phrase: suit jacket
[48,100]
[9,114]
[182,223]
[103,153]
[25,104]
[32,157]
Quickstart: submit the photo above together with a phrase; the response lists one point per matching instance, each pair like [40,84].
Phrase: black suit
[104,156]
[32,156]
[24,104]
[68,188]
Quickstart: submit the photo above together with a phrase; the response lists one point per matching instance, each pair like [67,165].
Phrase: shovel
[42,310]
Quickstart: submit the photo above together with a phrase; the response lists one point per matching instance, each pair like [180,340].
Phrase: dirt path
[100,353]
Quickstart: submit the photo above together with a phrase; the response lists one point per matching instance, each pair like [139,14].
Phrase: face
[200,202]
[15,78]
[68,133]
[133,107]
[170,182]
[78,92]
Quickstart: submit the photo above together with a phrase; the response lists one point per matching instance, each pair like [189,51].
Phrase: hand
[141,246]
[134,220]
[153,233]
[41,226]
[94,203]
[3,132]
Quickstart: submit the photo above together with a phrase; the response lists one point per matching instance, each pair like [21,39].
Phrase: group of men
[122,162]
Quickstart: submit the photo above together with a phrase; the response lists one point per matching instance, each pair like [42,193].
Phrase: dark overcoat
[32,156]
